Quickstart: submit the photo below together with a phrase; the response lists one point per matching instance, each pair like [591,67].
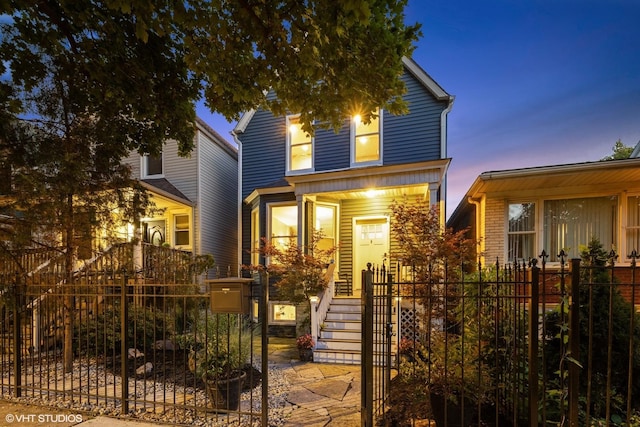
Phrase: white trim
[144,167]
[425,79]
[354,256]
[288,170]
[352,143]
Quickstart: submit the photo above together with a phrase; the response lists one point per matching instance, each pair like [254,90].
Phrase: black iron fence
[129,345]
[503,346]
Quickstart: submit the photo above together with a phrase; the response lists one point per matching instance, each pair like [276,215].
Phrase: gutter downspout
[239,203]
[443,154]
[478,221]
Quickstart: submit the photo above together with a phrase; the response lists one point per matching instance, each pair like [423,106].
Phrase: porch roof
[164,188]
[348,181]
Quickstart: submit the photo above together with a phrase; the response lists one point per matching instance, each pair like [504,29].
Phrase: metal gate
[377,341]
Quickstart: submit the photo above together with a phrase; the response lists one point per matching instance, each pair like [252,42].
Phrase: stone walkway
[324,394]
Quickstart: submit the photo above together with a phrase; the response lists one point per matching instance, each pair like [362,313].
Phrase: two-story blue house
[341,183]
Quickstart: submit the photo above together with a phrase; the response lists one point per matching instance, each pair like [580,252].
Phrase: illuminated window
[366,144]
[299,146]
[282,313]
[283,225]
[325,221]
[181,230]
[633,224]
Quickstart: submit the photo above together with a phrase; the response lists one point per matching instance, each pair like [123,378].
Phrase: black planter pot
[447,413]
[305,354]
[225,393]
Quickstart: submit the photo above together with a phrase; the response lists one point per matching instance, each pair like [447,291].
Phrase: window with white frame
[283,225]
[152,166]
[633,225]
[366,141]
[299,146]
[181,230]
[521,234]
[325,222]
[572,223]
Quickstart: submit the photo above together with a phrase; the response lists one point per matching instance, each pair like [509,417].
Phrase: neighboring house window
[152,165]
[366,140]
[299,146]
[521,235]
[570,224]
[255,237]
[633,225]
[181,230]
[154,232]
[283,225]
[325,221]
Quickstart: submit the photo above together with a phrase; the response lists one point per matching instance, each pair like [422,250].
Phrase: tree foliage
[423,243]
[620,152]
[299,271]
[148,60]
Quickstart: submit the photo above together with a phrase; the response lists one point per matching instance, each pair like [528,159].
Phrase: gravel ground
[93,378]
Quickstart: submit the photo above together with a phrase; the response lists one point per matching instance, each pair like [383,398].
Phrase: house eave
[431,172]
[266,191]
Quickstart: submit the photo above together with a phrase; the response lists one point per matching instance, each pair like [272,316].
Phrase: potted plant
[222,352]
[305,346]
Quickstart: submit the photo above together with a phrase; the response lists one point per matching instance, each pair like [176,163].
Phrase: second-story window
[366,142]
[152,165]
[299,146]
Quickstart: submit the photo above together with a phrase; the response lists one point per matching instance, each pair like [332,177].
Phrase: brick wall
[494,230]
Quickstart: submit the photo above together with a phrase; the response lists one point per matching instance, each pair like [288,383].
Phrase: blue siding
[332,150]
[263,151]
[415,136]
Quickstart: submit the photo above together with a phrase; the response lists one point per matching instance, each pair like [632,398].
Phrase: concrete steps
[340,333]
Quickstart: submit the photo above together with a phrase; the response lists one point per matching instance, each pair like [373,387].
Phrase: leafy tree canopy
[139,65]
[620,152]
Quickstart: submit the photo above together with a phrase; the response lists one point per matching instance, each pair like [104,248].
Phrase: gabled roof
[409,64]
[217,138]
[166,189]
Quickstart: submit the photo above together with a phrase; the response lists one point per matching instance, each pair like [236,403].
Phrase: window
[299,146]
[282,313]
[569,224]
[366,142]
[255,237]
[325,221]
[633,225]
[181,230]
[152,165]
[521,233]
[283,225]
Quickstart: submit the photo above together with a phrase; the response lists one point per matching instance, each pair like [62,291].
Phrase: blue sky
[536,82]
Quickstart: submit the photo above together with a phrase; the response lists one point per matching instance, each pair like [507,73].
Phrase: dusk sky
[536,82]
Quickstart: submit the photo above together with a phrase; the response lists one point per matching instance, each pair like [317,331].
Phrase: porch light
[314,299]
[357,118]
[373,193]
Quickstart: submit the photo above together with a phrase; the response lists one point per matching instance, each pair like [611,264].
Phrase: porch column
[301,227]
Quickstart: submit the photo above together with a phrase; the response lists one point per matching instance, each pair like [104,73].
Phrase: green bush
[101,335]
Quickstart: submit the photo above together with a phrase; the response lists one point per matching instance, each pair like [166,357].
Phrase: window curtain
[571,224]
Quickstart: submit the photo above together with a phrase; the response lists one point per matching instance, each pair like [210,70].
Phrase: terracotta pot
[225,393]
